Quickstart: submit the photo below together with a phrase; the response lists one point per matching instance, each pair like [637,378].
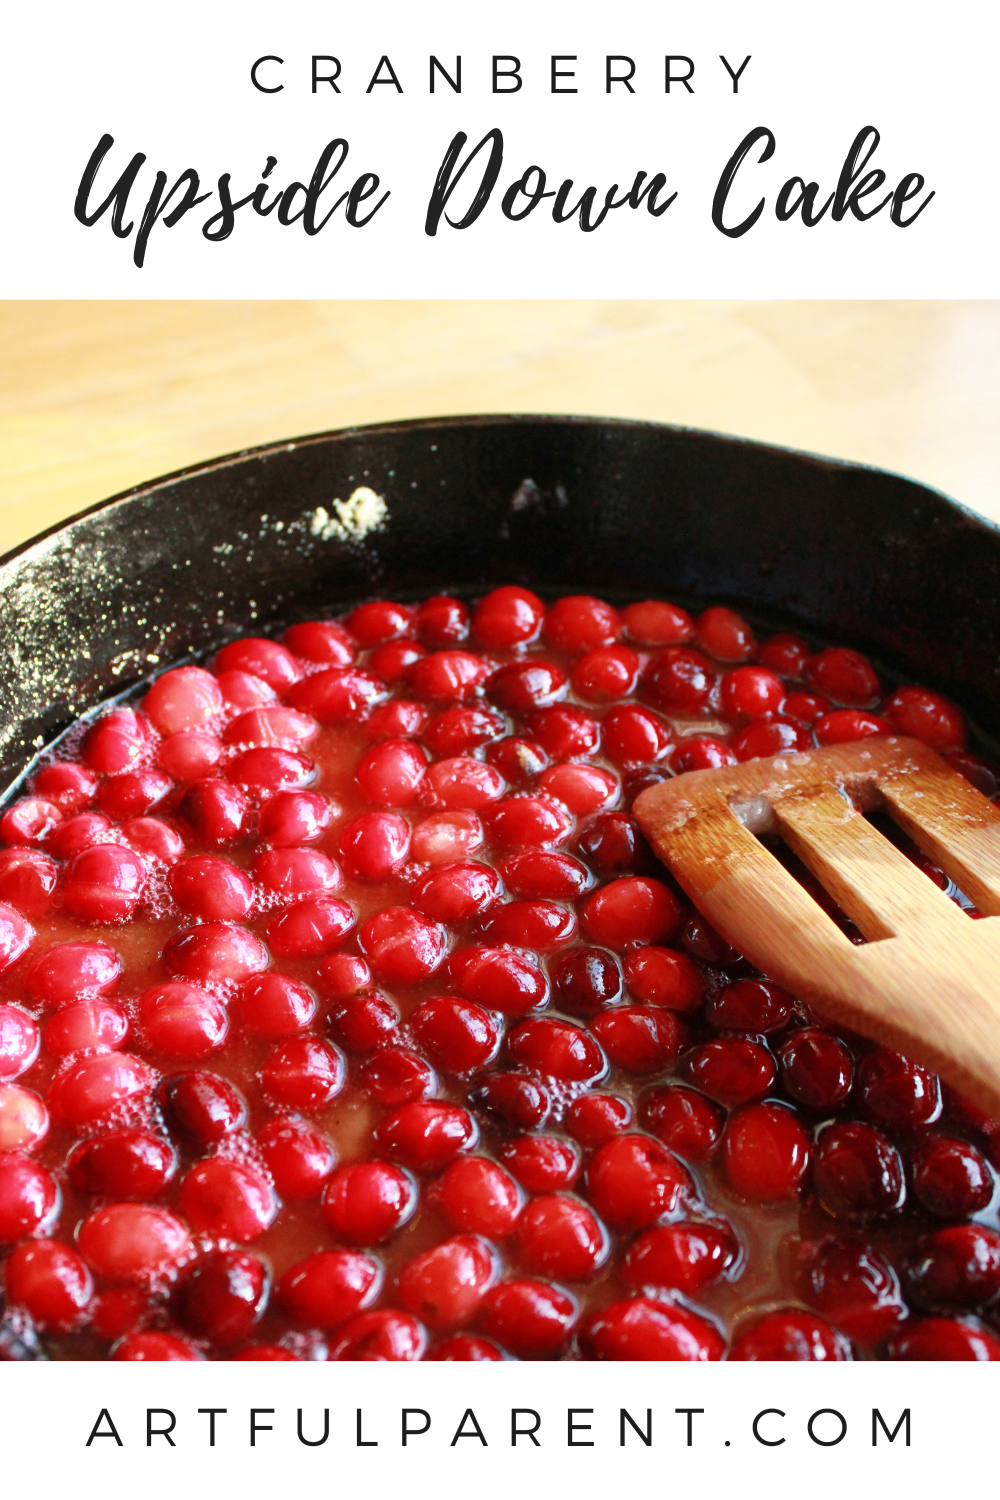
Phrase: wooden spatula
[927,982]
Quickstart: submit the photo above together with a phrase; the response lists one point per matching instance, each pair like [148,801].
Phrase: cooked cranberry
[272,726]
[396,719]
[402,947]
[89,1088]
[633,909]
[632,1180]
[361,1022]
[583,789]
[632,735]
[123,1164]
[69,785]
[541,926]
[442,621]
[150,1345]
[847,724]
[499,979]
[133,1241]
[20,1041]
[445,1285]
[579,622]
[806,706]
[273,1005]
[684,1257]
[747,692]
[374,845]
[725,634]
[381,1335]
[310,928]
[133,793]
[639,1039]
[215,952]
[530,1318]
[687,1122]
[732,1071]
[458,730]
[393,1076]
[79,833]
[516,759]
[222,1296]
[526,822]
[585,980]
[543,874]
[927,716]
[522,686]
[116,742]
[897,1093]
[475,1196]
[298,1157]
[858,1173]
[843,675]
[392,662]
[342,974]
[506,617]
[817,1069]
[28,880]
[641,1329]
[212,888]
[541,1163]
[290,818]
[659,976]
[457,893]
[289,873]
[700,752]
[228,1200]
[266,768]
[29,1198]
[426,1135]
[104,884]
[371,624]
[950,1177]
[790,1334]
[956,1268]
[446,837]
[849,1282]
[390,774]
[466,1346]
[560,1236]
[447,676]
[605,674]
[595,1118]
[340,695]
[24,1120]
[51,1283]
[564,731]
[515,1100]
[657,623]
[750,1005]
[679,679]
[368,1201]
[262,658]
[203,1106]
[457,1035]
[557,1049]
[773,735]
[215,810]
[71,971]
[153,839]
[784,653]
[29,821]
[942,1339]
[244,690]
[268,1352]
[326,1289]
[304,1072]
[320,641]
[765,1153]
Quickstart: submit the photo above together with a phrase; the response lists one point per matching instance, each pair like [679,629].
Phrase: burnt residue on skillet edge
[625,509]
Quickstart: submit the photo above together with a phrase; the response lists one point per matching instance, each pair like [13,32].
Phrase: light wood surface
[98,396]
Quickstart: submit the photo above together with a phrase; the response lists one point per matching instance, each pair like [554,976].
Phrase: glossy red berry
[530,1318]
[817,1069]
[605,674]
[393,1076]
[927,716]
[950,1177]
[847,724]
[639,1039]
[542,874]
[634,909]
[750,1005]
[66,783]
[361,1022]
[391,773]
[447,676]
[559,1236]
[942,1339]
[265,659]
[222,1296]
[579,622]
[775,735]
[633,735]
[215,809]
[104,884]
[182,1022]
[595,1118]
[123,1164]
[476,1196]
[381,620]
[299,1158]
[514,1099]
[457,1035]
[784,653]
[520,687]
[152,1345]
[686,1257]
[956,1269]
[466,1346]
[858,1173]
[747,692]
[459,730]
[682,1119]
[381,1335]
[24,1119]
[788,1334]
[291,818]
[457,893]
[765,1153]
[725,634]
[633,1180]
[29,1198]
[444,1286]
[557,1049]
[516,759]
[507,617]
[202,1106]
[844,676]
[339,695]
[20,1041]
[320,641]
[849,1282]
[661,976]
[303,1072]
[540,926]
[426,1135]
[116,742]
[51,1283]
[585,980]
[654,622]
[896,1093]
[226,1199]
[528,822]
[732,1070]
[215,952]
[541,1163]
[133,1241]
[274,1005]
[679,680]
[327,1288]
[641,1329]
[89,1088]
[564,731]
[366,1202]
[403,947]
[28,880]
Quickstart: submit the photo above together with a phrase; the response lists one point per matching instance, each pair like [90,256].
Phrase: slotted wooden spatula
[927,982]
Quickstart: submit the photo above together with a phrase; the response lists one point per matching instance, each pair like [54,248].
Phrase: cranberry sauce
[345,1014]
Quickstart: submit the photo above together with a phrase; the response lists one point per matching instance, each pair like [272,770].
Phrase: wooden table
[97,396]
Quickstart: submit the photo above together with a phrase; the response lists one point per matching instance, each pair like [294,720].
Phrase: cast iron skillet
[617,508]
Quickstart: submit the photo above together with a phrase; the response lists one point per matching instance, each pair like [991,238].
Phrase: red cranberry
[847,724]
[272,726]
[268,1352]
[116,1312]
[361,1022]
[69,785]
[426,1135]
[203,1106]
[447,676]
[273,1005]
[457,893]
[24,1120]
[725,634]
[51,1283]
[750,1005]
[747,692]
[222,1296]
[116,742]
[525,822]
[518,1102]
[123,1164]
[788,1333]
[614,846]
[212,888]
[732,1070]
[844,676]
[927,716]
[765,1153]
[79,833]
[466,1346]
[543,874]
[541,1163]
[29,1198]
[506,617]
[28,880]
[557,1049]
[559,1236]
[133,794]
[475,1196]
[374,845]
[214,809]
[461,783]
[342,974]
[659,976]
[89,1088]
[371,624]
[368,1201]
[298,1158]
[457,1035]
[320,641]
[595,1118]
[784,653]
[326,1289]
[685,1257]
[403,947]
[499,979]
[29,821]
[215,952]
[633,735]
[392,662]
[579,622]
[806,706]
[633,1180]
[133,1241]
[228,1200]
[340,695]
[565,732]
[605,674]
[950,1177]
[104,884]
[442,621]
[817,1069]
[679,679]
[522,686]
[262,658]
[303,1072]
[447,837]
[956,1268]
[641,1329]
[774,735]
[153,839]
[290,818]
[942,1339]
[516,759]
[585,980]
[849,1282]
[150,1345]
[244,690]
[858,1173]
[266,768]
[633,909]
[541,926]
[459,730]
[20,1041]
[700,752]
[72,971]
[583,789]
[396,719]
[530,1318]
[289,873]
[654,622]
[391,772]
[310,928]
[381,1335]
[394,1076]
[687,1122]
[897,1093]
[445,1285]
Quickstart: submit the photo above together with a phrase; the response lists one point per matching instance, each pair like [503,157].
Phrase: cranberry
[541,1163]
[774,735]
[447,676]
[244,690]
[956,1268]
[806,706]
[641,1329]
[272,726]
[557,1049]
[632,735]
[116,1311]
[457,1035]
[298,1158]
[583,789]
[69,785]
[392,662]
[520,687]
[228,1200]
[289,873]
[702,941]
[303,1072]
[942,1338]
[732,1070]
[394,1076]
[765,1153]
[640,1039]
[499,979]
[605,674]
[950,1177]
[340,695]
[381,1335]
[24,1120]
[367,1202]
[342,974]
[700,752]
[595,1118]
[20,1041]
[442,621]
[844,676]
[747,692]
[262,658]
[290,818]
[460,783]
[516,759]
[222,1296]
[151,1345]
[396,719]
[29,821]
[426,1135]
[310,928]
[685,1121]
[391,772]
[858,1173]
[525,822]
[361,1022]
[543,874]
[847,724]
[29,1198]
[657,623]
[266,768]
[506,617]
[459,730]
[539,925]
[273,1005]
[475,1196]
[750,1005]
[457,893]
[897,1093]
[269,1352]
[446,837]
[851,1283]
[633,909]
[51,1283]
[374,845]
[203,1106]
[788,1333]
[679,679]
[467,1346]
[579,622]
[327,1288]
[633,1180]
[927,716]
[212,888]
[28,880]
[686,1257]
[659,976]
[89,1088]
[153,839]
[71,971]
[817,1069]
[124,1163]
[320,641]
[565,732]
[214,809]
[530,1318]
[116,742]
[371,624]
[585,980]
[104,884]
[725,634]
[133,1241]
[784,653]
[559,1236]
[79,833]
[215,952]
[445,1285]
[402,947]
